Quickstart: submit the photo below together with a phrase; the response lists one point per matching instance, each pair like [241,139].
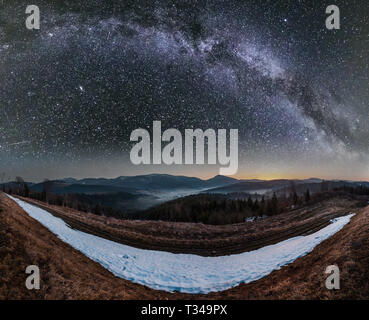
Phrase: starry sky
[72,92]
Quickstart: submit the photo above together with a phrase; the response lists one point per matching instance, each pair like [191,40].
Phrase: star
[78,87]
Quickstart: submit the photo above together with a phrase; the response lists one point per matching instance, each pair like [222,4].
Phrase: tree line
[203,208]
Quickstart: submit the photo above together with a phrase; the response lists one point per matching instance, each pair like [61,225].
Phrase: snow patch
[183,272]
[255,218]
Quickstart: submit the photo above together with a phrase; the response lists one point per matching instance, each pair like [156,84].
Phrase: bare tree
[2,177]
[292,187]
[19,180]
[47,186]
[20,184]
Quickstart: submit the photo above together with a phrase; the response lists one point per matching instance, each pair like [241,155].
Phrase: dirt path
[305,278]
[65,272]
[68,274]
[201,239]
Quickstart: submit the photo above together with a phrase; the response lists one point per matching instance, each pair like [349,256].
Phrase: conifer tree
[307,195]
[26,190]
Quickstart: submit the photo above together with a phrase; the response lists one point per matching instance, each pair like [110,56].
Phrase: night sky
[72,92]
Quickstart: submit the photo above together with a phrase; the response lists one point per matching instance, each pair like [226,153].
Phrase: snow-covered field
[183,272]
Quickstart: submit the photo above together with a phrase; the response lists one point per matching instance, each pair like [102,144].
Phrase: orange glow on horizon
[277,176]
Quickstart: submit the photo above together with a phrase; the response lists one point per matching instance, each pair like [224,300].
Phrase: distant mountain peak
[220,177]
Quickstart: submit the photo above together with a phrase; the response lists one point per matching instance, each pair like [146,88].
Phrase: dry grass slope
[206,240]
[68,274]
[305,278]
[65,272]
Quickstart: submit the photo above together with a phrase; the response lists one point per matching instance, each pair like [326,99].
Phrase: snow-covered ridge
[183,272]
